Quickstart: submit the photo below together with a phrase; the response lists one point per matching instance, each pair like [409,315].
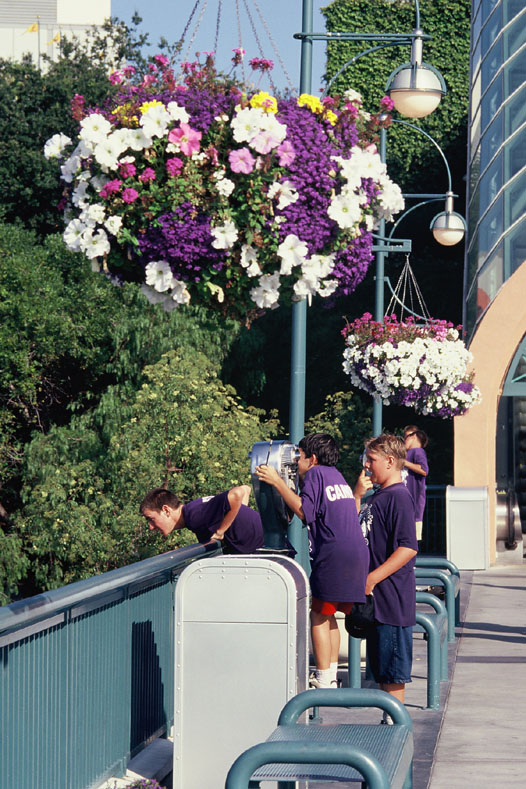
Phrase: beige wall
[493,347]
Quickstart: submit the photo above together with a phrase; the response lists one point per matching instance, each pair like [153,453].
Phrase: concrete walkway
[482,739]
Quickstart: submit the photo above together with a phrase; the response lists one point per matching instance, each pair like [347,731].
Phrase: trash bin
[241,652]
[467,524]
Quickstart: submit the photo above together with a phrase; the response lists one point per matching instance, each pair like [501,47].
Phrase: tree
[83,482]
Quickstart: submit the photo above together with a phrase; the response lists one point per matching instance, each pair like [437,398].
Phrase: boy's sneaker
[314,682]
[387,720]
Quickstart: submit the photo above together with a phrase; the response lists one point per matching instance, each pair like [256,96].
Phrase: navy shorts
[390,654]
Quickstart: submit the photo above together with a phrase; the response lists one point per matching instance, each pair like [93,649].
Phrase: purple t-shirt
[388,520]
[416,483]
[339,556]
[204,516]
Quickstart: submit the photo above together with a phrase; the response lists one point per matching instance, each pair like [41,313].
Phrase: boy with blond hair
[388,521]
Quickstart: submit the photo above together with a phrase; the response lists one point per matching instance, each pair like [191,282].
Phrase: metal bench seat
[370,754]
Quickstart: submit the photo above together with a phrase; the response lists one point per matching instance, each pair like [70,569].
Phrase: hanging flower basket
[420,366]
[202,191]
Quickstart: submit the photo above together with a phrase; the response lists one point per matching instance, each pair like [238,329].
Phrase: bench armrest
[433,601]
[438,563]
[344,697]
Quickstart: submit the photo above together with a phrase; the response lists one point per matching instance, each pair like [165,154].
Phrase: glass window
[515,112]
[475,61]
[475,29]
[491,227]
[487,7]
[492,139]
[514,37]
[471,312]
[491,182]
[515,73]
[515,199]
[475,96]
[474,209]
[516,247]
[515,155]
[489,281]
[475,131]
[489,33]
[512,8]
[491,63]
[491,101]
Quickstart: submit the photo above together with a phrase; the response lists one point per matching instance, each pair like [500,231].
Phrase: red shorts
[325,608]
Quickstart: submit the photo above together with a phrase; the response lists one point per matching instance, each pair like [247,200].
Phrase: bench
[435,626]
[438,571]
[370,754]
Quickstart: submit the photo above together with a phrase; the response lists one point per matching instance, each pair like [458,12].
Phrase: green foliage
[13,565]
[83,482]
[410,155]
[348,419]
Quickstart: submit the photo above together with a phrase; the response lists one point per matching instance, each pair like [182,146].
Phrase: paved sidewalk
[482,740]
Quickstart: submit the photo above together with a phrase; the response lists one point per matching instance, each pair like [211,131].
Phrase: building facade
[35,27]
[490,441]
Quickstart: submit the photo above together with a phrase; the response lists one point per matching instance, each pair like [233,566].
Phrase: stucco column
[493,347]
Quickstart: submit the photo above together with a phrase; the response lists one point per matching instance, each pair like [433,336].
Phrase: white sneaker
[314,682]
[387,720]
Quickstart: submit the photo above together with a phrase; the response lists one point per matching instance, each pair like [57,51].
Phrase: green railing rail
[87,674]
[434,526]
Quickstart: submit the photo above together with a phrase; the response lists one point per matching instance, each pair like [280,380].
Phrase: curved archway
[493,346]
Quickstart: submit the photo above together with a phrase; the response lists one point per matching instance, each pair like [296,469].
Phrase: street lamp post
[416,89]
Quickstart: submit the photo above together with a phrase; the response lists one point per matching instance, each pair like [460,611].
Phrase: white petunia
[94,128]
[92,215]
[113,224]
[179,294]
[225,235]
[78,196]
[292,252]
[249,261]
[107,153]
[345,209]
[94,243]
[285,193]
[72,234]
[70,168]
[54,147]
[177,113]
[155,121]
[225,186]
[266,295]
[153,296]
[138,140]
[158,275]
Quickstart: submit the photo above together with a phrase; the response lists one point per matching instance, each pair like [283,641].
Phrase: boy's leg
[321,639]
[396,690]
[334,632]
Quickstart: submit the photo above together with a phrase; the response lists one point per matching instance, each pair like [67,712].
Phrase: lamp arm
[437,146]
[361,55]
[409,210]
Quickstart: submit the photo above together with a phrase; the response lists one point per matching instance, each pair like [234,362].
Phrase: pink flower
[187,139]
[211,152]
[115,77]
[286,153]
[128,71]
[110,187]
[147,175]
[387,103]
[241,161]
[127,169]
[129,195]
[174,166]
[162,60]
[148,79]
[264,142]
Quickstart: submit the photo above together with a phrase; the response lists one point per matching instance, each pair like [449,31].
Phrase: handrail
[34,609]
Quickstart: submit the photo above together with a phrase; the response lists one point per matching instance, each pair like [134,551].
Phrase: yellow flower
[147,104]
[331,117]
[264,101]
[312,102]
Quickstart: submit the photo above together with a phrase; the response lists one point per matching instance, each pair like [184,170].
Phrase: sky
[282,18]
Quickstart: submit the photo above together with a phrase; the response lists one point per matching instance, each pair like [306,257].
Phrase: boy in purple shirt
[388,519]
[415,471]
[339,556]
[225,517]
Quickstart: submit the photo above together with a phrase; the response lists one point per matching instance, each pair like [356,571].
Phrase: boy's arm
[416,467]
[398,558]
[269,475]
[236,497]
[363,484]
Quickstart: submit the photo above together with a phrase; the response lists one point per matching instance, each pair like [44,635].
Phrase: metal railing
[434,525]
[87,674]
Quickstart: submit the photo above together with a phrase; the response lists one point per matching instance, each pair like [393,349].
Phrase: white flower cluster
[347,207]
[314,279]
[161,287]
[396,371]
